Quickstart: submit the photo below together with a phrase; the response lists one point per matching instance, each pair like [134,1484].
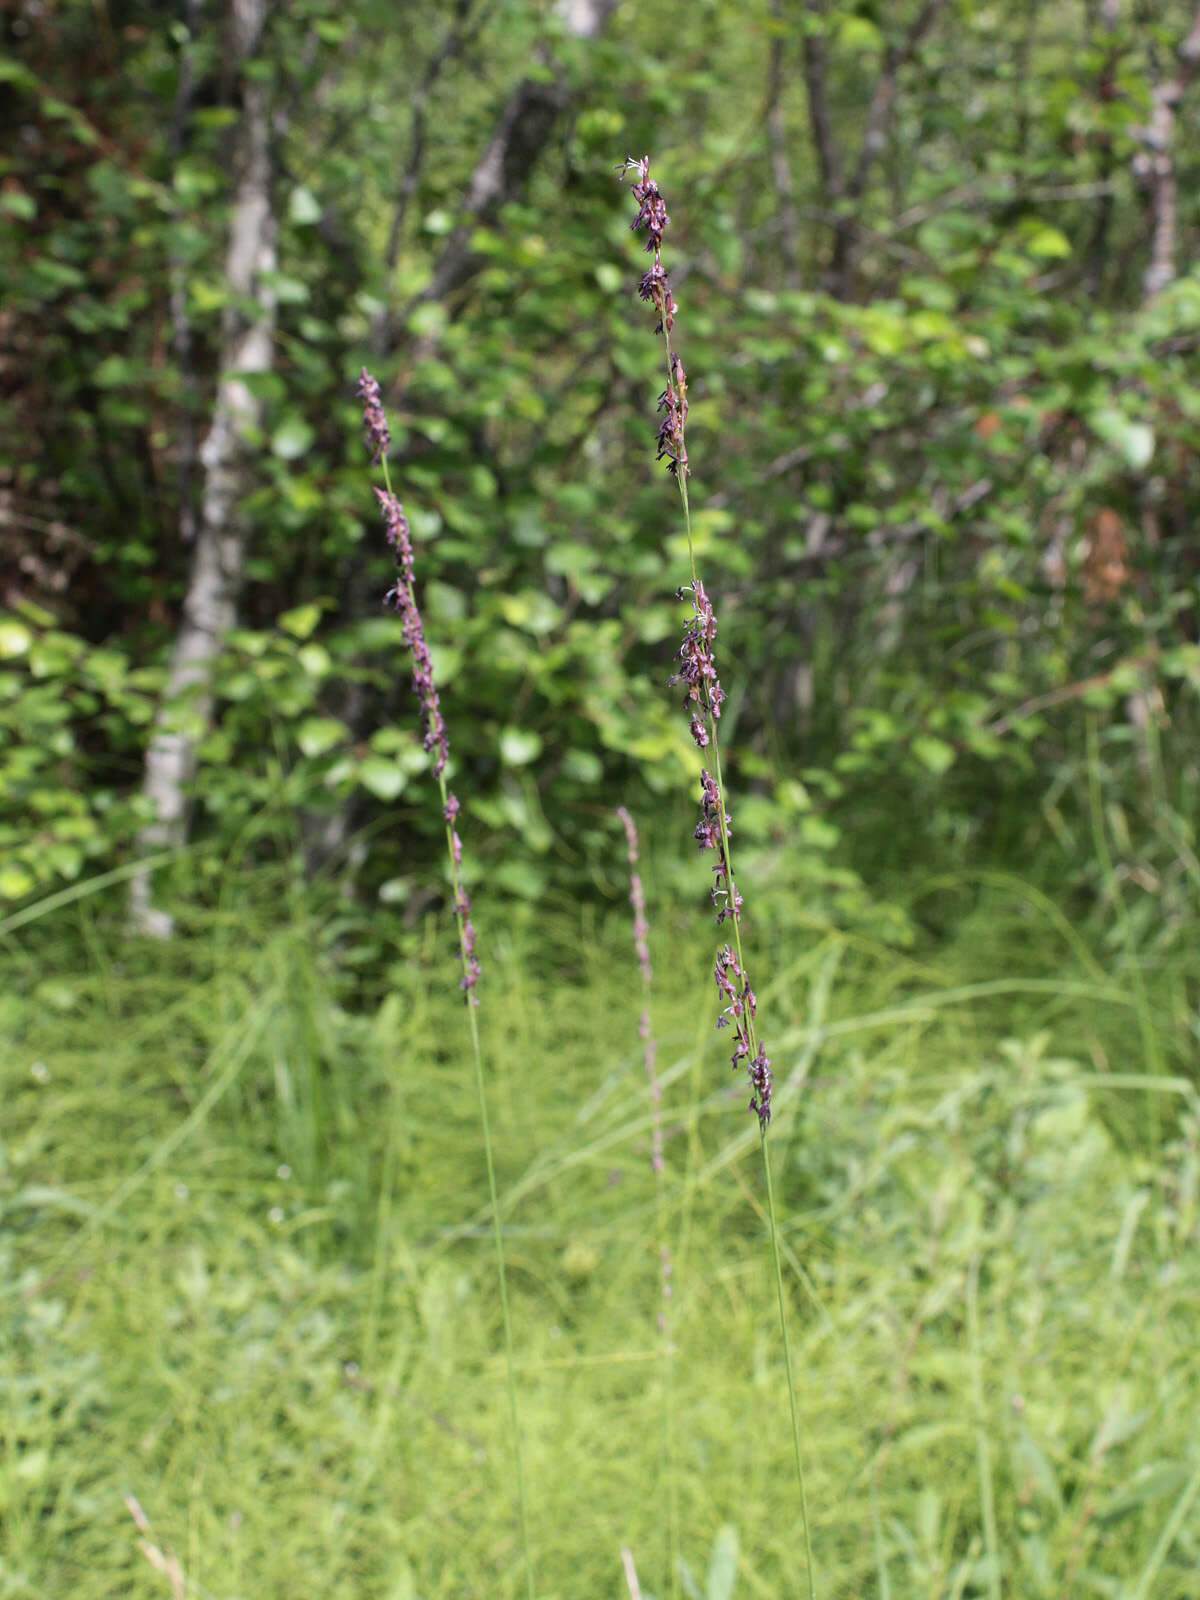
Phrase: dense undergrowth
[248,1274]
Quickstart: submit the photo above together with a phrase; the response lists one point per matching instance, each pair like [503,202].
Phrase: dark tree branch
[883,100]
[816,80]
[1097,250]
[781,168]
[458,38]
[177,299]
[879,117]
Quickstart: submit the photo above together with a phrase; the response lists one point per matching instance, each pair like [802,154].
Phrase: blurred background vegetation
[939,308]
[938,268]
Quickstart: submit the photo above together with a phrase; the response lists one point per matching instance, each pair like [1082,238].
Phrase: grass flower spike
[402,597]
[698,673]
[703,699]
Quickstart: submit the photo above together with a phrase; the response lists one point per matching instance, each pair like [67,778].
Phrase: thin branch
[816,79]
[1068,692]
[781,167]
[458,38]
[879,117]
[883,100]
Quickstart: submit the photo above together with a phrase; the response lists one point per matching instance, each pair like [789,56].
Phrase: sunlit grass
[249,1279]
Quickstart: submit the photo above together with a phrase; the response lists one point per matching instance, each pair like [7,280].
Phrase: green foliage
[69,711]
[944,445]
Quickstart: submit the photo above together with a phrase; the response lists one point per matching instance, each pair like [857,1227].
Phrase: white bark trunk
[219,549]
[1160,136]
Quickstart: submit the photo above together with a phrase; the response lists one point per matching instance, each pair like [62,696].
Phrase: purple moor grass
[703,695]
[703,698]
[402,598]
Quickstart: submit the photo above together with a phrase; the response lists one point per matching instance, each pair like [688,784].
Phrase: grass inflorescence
[437,744]
[703,700]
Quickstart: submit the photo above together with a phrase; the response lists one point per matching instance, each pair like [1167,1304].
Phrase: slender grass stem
[787,1363]
[502,1275]
[711,720]
[704,697]
[465,951]
[641,936]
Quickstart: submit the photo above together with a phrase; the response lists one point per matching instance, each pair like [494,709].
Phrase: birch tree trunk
[219,548]
[1165,99]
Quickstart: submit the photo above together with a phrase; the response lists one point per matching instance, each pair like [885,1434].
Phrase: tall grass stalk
[641,935]
[437,744]
[702,701]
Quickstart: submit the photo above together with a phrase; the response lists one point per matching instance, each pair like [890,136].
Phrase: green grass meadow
[249,1277]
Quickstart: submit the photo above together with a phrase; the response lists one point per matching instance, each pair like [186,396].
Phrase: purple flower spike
[402,598]
[652,209]
[375,421]
[471,967]
[703,694]
[760,1081]
[412,631]
[637,898]
[652,215]
[733,987]
[672,402]
[699,671]
[397,532]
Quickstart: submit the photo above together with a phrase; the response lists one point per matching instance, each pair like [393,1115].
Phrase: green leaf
[383,778]
[934,754]
[314,658]
[292,438]
[519,746]
[16,203]
[14,881]
[583,766]
[1133,440]
[317,734]
[858,33]
[15,640]
[531,610]
[303,207]
[301,620]
[288,290]
[722,1564]
[113,372]
[1049,243]
[520,878]
[428,320]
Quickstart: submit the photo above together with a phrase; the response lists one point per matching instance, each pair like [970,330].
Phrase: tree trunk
[1160,136]
[220,540]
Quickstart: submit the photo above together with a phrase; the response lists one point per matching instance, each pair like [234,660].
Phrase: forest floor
[250,1281]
